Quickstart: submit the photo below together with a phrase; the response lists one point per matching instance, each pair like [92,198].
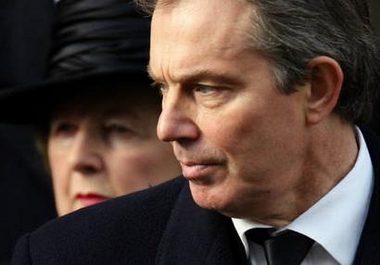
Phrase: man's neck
[328,159]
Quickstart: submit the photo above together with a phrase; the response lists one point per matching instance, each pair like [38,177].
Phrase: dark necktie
[285,248]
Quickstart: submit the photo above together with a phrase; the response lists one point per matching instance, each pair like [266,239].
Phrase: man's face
[238,139]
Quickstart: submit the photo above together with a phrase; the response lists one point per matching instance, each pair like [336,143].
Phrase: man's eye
[204,90]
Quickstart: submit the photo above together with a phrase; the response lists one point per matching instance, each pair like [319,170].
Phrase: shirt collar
[337,219]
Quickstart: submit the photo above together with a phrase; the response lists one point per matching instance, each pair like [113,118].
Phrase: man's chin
[205,197]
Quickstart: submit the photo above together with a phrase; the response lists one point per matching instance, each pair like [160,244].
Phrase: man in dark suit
[26,199]
[264,103]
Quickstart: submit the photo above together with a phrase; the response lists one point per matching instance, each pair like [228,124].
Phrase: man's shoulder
[150,202]
[134,209]
[133,222]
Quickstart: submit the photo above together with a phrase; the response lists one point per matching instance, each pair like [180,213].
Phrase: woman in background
[97,130]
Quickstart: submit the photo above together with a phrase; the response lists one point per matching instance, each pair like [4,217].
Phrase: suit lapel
[369,246]
[197,236]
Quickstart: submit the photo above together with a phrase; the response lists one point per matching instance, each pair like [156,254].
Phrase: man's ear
[325,85]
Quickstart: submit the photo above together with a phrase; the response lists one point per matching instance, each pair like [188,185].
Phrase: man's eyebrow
[150,73]
[202,75]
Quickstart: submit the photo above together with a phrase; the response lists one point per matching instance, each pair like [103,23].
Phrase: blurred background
[374,6]
[375,14]
[26,199]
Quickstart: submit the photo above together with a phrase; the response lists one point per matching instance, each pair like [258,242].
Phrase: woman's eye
[63,128]
[118,129]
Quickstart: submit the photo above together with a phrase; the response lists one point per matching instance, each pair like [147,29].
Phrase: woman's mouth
[88,199]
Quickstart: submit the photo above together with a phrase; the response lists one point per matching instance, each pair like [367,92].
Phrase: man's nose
[176,121]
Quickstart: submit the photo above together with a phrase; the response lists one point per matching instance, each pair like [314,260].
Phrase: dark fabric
[158,226]
[95,43]
[92,37]
[163,226]
[285,248]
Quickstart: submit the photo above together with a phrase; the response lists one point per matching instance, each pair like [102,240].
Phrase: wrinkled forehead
[192,29]
[166,5]
[172,3]
[173,17]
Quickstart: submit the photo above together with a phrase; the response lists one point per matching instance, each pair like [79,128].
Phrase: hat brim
[32,104]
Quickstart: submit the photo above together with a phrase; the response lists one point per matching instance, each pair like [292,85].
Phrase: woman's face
[104,146]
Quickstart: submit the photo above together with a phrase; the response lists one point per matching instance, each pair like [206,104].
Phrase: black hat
[96,43]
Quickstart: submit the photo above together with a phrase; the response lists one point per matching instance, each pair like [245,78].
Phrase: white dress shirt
[335,222]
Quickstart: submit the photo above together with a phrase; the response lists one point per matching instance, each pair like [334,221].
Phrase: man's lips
[195,171]
[89,199]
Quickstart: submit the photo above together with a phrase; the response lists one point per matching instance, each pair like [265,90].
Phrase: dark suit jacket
[162,226]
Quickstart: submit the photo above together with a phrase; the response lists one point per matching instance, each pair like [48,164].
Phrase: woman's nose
[86,154]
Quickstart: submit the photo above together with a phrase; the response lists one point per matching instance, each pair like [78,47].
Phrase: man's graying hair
[292,32]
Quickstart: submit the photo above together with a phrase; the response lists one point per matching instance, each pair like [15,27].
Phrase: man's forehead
[195,32]
[167,3]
